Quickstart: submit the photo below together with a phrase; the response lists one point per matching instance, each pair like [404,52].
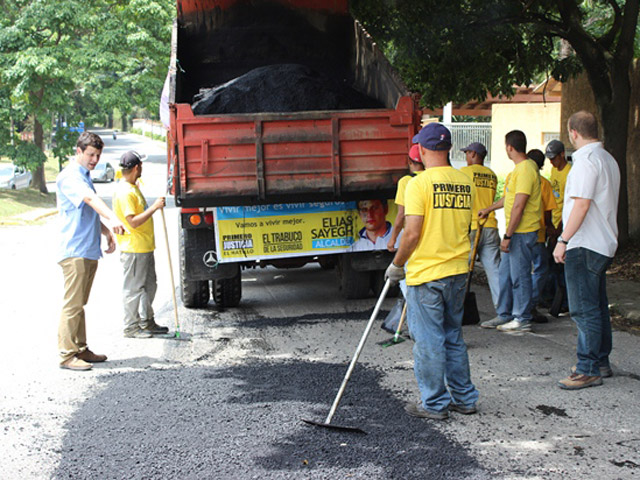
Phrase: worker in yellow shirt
[486,183]
[435,247]
[522,205]
[555,152]
[541,256]
[559,173]
[136,250]
[415,167]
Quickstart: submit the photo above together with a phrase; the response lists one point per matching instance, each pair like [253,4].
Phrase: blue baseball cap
[434,136]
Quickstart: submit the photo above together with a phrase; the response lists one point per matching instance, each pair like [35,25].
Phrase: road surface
[227,401]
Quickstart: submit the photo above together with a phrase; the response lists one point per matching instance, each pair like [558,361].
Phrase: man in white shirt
[586,246]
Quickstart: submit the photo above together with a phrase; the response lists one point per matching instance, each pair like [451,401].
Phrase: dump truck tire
[377,284]
[353,283]
[228,291]
[194,294]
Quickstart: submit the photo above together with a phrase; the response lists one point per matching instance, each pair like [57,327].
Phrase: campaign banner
[263,232]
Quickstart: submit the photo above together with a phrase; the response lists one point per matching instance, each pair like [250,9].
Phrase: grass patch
[17,202]
[51,168]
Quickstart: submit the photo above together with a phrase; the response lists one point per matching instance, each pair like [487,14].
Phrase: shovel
[471,316]
[327,423]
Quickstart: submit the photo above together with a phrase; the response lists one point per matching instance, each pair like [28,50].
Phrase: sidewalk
[624,298]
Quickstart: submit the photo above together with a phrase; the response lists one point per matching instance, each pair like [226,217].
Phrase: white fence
[464,133]
[149,126]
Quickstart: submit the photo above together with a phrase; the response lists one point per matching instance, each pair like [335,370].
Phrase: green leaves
[67,57]
[28,155]
[459,51]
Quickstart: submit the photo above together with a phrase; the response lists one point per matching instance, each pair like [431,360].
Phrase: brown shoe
[75,363]
[576,381]
[89,356]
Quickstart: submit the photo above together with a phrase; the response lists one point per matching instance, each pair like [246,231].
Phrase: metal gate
[462,134]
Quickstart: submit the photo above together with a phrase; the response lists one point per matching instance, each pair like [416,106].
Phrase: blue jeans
[540,272]
[585,272]
[514,301]
[441,362]
[489,255]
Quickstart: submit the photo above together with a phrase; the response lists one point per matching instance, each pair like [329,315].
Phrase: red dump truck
[253,186]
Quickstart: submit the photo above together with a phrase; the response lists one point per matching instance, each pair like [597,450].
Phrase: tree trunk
[615,124]
[39,181]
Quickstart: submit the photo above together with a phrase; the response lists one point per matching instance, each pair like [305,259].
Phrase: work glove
[394,273]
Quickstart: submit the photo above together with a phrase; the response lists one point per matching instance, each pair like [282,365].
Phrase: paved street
[227,401]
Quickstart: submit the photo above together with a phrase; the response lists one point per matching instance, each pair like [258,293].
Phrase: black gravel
[245,422]
[280,88]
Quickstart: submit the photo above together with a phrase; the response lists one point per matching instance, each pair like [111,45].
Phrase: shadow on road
[245,422]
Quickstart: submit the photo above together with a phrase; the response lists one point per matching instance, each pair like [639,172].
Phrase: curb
[25,219]
[45,215]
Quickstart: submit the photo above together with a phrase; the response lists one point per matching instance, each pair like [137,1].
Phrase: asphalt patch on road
[549,410]
[244,422]
[250,319]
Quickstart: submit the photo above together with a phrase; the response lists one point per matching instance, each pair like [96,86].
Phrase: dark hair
[89,139]
[537,156]
[383,201]
[585,123]
[517,140]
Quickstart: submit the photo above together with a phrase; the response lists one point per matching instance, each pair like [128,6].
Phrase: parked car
[103,172]
[13,177]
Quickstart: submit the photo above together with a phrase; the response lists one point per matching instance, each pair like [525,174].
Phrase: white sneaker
[493,323]
[515,326]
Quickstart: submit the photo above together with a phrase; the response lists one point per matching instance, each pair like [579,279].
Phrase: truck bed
[260,158]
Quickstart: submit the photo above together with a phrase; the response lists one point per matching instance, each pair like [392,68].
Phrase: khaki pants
[78,277]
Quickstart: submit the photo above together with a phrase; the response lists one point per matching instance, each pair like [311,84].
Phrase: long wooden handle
[474,252]
[173,286]
[403,315]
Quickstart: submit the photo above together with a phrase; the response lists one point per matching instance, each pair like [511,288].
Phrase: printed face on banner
[301,229]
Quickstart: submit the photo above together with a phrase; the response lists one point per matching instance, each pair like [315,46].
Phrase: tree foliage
[459,51]
[72,58]
[462,50]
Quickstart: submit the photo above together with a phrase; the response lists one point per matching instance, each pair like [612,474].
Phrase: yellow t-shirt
[486,183]
[444,197]
[402,187]
[128,200]
[558,182]
[525,178]
[548,203]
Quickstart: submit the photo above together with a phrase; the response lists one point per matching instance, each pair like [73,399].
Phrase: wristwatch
[562,240]
[506,237]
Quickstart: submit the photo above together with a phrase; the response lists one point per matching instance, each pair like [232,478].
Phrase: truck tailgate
[289,157]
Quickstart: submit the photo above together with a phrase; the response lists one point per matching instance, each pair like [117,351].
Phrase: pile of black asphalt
[281,88]
[244,422]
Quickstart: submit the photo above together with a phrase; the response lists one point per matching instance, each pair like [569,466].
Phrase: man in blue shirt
[80,209]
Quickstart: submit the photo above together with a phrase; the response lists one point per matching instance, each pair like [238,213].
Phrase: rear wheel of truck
[194,294]
[354,284]
[227,292]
